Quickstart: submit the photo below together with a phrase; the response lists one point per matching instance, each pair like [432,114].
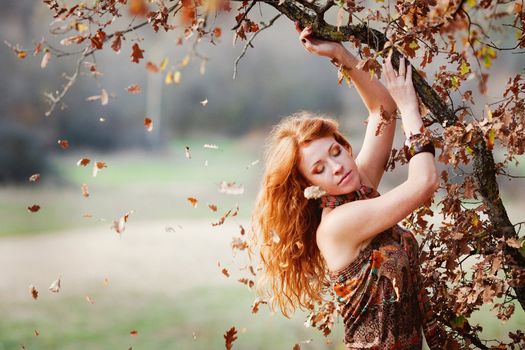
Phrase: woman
[350,234]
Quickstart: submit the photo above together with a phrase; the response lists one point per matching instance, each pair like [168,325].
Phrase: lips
[344,177]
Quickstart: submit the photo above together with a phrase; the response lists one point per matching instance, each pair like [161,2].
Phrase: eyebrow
[329,148]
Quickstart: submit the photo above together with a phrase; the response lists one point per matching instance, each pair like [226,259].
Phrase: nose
[338,168]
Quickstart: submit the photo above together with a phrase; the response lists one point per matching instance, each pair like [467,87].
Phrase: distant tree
[464,34]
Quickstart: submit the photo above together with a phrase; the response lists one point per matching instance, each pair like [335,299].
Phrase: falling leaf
[97,167]
[34,178]
[255,162]
[134,89]
[136,54]
[239,244]
[213,207]
[148,123]
[242,230]
[204,102]
[187,152]
[76,39]
[169,78]
[226,272]
[103,97]
[134,333]
[163,64]
[55,286]
[230,336]
[63,143]
[222,219]
[118,225]
[296,347]
[34,208]
[37,333]
[231,188]
[193,201]
[211,146]
[45,59]
[185,61]
[83,162]
[255,306]
[177,77]
[152,67]
[194,335]
[138,8]
[33,291]
[85,190]
[89,300]
[249,283]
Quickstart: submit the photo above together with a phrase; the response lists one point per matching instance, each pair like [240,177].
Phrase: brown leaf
[134,89]
[97,167]
[138,8]
[239,244]
[63,143]
[226,272]
[34,292]
[89,300]
[296,347]
[249,283]
[256,303]
[230,336]
[83,162]
[212,207]
[148,124]
[97,40]
[217,32]
[37,333]
[117,42]
[34,208]
[134,333]
[243,231]
[118,225]
[34,178]
[136,53]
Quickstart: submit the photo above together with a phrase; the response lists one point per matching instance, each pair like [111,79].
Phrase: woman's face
[327,164]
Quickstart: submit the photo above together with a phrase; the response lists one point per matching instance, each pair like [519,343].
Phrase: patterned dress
[383,302]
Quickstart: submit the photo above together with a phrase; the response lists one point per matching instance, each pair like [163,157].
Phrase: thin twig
[249,42]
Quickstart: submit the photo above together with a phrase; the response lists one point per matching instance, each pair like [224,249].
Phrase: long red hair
[294,274]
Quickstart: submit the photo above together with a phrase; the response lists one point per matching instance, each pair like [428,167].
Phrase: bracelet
[415,144]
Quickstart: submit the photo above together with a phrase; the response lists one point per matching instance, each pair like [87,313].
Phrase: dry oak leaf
[83,162]
[226,272]
[34,292]
[148,124]
[97,40]
[193,201]
[55,286]
[136,54]
[249,283]
[97,167]
[230,336]
[134,89]
[63,143]
[34,178]
[134,333]
[34,208]
[212,207]
[117,42]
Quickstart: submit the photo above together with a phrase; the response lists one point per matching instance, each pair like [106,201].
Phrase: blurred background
[161,277]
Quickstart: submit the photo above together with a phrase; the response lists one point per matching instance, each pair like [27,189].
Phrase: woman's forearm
[372,91]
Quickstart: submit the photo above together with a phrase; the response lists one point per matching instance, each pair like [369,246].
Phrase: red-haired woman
[349,236]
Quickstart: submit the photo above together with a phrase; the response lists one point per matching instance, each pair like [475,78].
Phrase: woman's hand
[324,48]
[399,84]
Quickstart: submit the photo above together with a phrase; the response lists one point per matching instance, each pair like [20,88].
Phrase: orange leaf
[134,333]
[148,123]
[213,207]
[138,8]
[64,144]
[226,272]
[152,67]
[45,60]
[97,40]
[217,32]
[193,201]
[117,42]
